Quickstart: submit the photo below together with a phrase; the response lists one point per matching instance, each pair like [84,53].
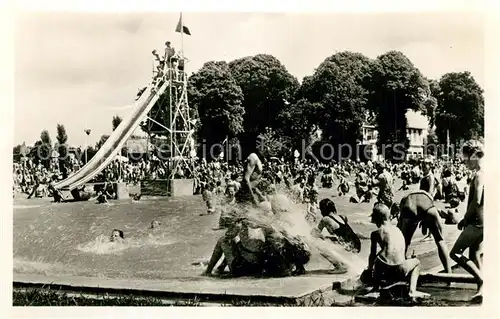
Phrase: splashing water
[102,246]
[289,222]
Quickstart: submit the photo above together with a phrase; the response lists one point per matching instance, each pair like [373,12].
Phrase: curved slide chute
[114,143]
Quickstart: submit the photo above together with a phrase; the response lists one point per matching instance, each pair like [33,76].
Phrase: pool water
[59,239]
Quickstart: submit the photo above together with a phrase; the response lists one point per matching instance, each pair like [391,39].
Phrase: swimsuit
[382,271]
[408,221]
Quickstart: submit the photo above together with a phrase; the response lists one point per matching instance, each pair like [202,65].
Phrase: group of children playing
[387,262]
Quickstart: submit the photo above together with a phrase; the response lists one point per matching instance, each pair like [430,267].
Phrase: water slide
[114,143]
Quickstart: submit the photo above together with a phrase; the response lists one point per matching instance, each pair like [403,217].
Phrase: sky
[80,69]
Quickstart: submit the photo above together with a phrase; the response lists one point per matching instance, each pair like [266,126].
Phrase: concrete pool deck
[337,287]
[270,290]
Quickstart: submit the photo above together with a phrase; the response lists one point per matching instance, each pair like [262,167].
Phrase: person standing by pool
[428,181]
[417,210]
[252,172]
[384,181]
[471,225]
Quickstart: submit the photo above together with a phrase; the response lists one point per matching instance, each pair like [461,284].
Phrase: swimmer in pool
[331,220]
[155,224]
[116,236]
[337,226]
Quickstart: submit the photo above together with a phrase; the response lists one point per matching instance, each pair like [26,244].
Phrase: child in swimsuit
[337,226]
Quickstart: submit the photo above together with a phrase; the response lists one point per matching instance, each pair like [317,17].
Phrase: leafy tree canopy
[396,87]
[267,88]
[116,121]
[340,87]
[460,107]
[218,100]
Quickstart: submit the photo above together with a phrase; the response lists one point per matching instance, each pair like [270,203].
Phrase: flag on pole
[181,28]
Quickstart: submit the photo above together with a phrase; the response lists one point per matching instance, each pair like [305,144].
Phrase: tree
[431,143]
[430,103]
[116,121]
[274,144]
[160,119]
[339,87]
[429,109]
[299,121]
[16,152]
[213,92]
[434,87]
[460,108]
[101,141]
[62,149]
[160,116]
[36,152]
[396,87]
[267,87]
[91,151]
[159,113]
[44,152]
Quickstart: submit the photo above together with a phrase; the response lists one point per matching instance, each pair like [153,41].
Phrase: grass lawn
[48,297]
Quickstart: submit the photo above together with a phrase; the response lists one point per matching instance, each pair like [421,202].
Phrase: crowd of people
[254,183]
[33,179]
[388,261]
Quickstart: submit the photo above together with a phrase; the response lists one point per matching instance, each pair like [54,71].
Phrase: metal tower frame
[175,115]
[181,125]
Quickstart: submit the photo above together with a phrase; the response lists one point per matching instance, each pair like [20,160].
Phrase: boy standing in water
[384,181]
[390,263]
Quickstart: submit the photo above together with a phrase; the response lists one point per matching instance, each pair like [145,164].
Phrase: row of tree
[257,95]
[247,95]
[43,149]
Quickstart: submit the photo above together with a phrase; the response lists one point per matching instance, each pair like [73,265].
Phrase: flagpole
[182,37]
